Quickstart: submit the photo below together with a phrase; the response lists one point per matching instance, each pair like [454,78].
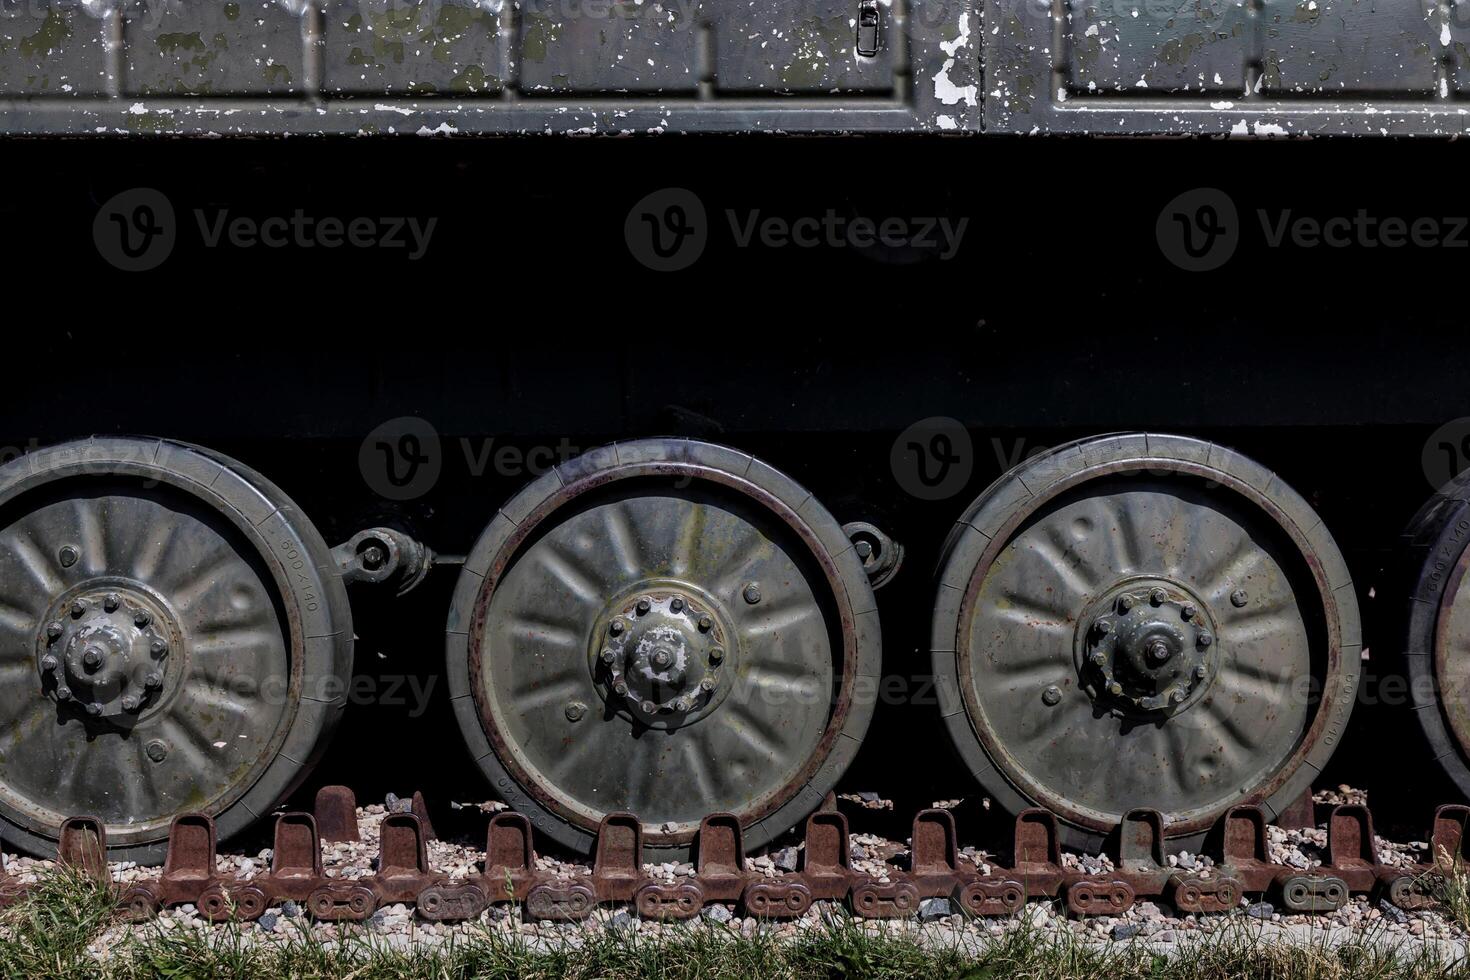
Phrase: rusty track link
[510,876]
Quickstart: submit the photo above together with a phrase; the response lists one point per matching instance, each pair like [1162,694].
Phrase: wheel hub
[1148,647]
[661,655]
[104,649]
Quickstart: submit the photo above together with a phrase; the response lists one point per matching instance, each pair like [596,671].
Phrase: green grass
[49,934]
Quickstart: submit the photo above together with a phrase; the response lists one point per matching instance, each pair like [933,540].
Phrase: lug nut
[1051,695]
[676,604]
[54,631]
[92,659]
[864,549]
[621,688]
[648,707]
[575,710]
[1239,598]
[94,709]
[1115,688]
[1200,672]
[48,663]
[705,623]
[1189,611]
[1157,597]
[141,618]
[1158,651]
[1104,626]
[661,659]
[752,593]
[617,627]
[716,655]
[644,605]
[1204,638]
[1177,697]
[131,703]
[707,685]
[111,603]
[78,609]
[157,751]
[63,693]
[1099,658]
[153,681]
[68,556]
[1126,602]
[608,656]
[158,647]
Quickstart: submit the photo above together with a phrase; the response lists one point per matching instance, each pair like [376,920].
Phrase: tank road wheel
[669,628]
[1144,620]
[171,638]
[1435,623]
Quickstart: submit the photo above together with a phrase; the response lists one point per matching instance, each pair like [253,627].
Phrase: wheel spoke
[41,569]
[621,542]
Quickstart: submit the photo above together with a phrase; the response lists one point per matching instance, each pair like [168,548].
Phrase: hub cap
[1147,648]
[104,650]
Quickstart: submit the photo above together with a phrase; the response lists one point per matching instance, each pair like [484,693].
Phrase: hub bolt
[662,659]
[158,647]
[68,556]
[1157,597]
[644,605]
[1104,626]
[157,751]
[131,703]
[1200,672]
[676,604]
[78,608]
[705,623]
[54,630]
[648,707]
[1159,652]
[1099,658]
[575,710]
[1204,638]
[608,656]
[1115,688]
[1126,602]
[1189,611]
[1051,695]
[63,693]
[617,627]
[153,681]
[716,655]
[752,593]
[141,619]
[684,704]
[92,659]
[48,663]
[111,603]
[1239,598]
[707,685]
[864,549]
[1177,697]
[621,687]
[94,709]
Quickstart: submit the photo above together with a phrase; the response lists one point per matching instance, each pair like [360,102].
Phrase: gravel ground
[1146,922]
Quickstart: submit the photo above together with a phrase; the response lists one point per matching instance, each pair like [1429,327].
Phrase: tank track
[404,876]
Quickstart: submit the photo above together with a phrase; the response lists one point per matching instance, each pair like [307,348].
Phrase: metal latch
[868,28]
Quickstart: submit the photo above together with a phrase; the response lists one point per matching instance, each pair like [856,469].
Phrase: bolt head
[111,603]
[707,685]
[648,707]
[157,751]
[1099,658]
[153,681]
[676,604]
[616,627]
[94,709]
[1200,672]
[1239,598]
[131,703]
[1126,602]
[1177,697]
[48,663]
[716,655]
[1189,611]
[92,658]
[1104,626]
[1115,688]
[705,624]
[63,693]
[1158,651]
[158,647]
[575,710]
[752,593]
[662,659]
[1051,695]
[141,618]
[621,687]
[78,608]
[1157,596]
[864,549]
[608,656]
[68,556]
[54,630]
[1204,638]
[644,604]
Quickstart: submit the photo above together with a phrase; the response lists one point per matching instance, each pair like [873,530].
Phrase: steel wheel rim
[141,561]
[708,470]
[1073,466]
